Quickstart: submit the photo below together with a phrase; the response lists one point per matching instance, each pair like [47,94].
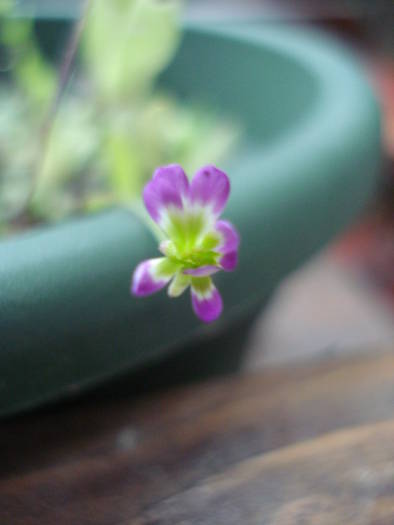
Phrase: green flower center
[191,244]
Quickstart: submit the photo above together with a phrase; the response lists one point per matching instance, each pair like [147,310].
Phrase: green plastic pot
[307,166]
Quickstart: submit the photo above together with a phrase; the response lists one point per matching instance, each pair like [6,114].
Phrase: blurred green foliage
[111,127]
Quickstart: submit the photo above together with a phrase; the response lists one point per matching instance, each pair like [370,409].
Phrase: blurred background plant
[90,135]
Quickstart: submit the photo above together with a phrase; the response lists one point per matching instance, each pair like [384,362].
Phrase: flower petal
[178,285]
[229,261]
[152,275]
[228,245]
[229,237]
[206,300]
[210,187]
[202,271]
[168,188]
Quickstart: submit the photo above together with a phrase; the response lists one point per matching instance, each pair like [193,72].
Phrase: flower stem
[49,118]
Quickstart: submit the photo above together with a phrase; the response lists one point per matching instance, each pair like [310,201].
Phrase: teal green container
[307,166]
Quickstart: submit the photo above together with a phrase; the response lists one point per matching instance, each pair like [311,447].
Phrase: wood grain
[163,459]
[346,477]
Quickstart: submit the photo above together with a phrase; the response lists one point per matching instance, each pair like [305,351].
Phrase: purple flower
[198,243]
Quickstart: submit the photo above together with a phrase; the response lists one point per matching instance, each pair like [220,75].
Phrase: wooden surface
[308,445]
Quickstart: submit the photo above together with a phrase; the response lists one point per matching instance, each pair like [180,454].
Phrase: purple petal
[229,237]
[207,307]
[202,271]
[229,261]
[144,281]
[228,245]
[168,187]
[210,186]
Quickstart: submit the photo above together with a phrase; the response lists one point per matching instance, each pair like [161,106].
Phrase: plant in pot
[302,168]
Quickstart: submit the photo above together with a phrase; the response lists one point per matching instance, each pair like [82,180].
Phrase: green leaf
[36,77]
[33,75]
[127,42]
[124,167]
